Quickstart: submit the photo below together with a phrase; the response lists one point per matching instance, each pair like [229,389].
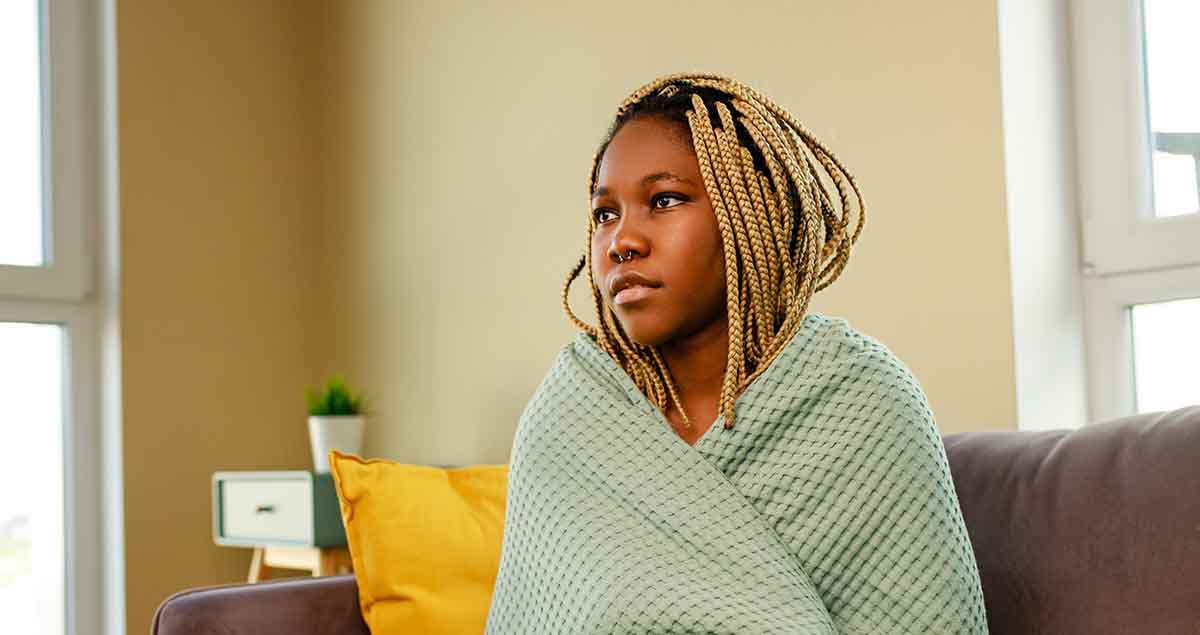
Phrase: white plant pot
[343,433]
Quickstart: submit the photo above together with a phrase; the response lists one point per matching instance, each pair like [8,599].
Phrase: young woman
[823,502]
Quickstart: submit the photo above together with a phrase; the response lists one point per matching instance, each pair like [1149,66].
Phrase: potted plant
[335,421]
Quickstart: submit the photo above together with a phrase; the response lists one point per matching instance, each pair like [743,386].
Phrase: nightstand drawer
[268,510]
[294,508]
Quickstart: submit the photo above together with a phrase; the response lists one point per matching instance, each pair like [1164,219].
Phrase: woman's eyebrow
[647,180]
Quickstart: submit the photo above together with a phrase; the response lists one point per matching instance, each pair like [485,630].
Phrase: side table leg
[333,562]
[258,567]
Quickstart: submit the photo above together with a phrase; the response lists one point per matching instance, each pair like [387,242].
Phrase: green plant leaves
[335,400]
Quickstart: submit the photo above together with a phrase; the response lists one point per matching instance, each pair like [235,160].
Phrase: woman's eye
[598,215]
[662,197]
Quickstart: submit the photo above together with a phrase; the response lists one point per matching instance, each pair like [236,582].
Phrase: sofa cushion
[1094,530]
[425,541]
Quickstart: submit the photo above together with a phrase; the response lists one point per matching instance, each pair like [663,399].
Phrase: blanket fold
[827,508]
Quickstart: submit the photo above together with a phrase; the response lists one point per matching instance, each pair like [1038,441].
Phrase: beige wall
[457,197]
[220,310]
[395,190]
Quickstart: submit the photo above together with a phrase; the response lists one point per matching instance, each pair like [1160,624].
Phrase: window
[42,253]
[1173,95]
[31,520]
[1166,354]
[54,61]
[1137,107]
[20,125]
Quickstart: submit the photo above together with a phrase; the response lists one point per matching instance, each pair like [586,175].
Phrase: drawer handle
[264,509]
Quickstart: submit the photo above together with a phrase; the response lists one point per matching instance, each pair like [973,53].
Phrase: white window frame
[1110,330]
[1130,256]
[1121,233]
[76,291]
[78,489]
[66,115]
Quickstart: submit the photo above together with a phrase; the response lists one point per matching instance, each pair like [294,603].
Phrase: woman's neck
[697,361]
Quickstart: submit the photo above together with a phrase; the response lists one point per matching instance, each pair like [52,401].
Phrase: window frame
[79,489]
[79,174]
[1130,256]
[68,118]
[1112,390]
[1114,148]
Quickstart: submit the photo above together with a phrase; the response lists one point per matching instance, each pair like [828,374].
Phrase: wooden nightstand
[290,519]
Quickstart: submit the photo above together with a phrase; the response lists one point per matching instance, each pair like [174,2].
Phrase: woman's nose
[629,237]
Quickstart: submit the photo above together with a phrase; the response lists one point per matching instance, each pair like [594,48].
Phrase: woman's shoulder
[864,365]
[834,339]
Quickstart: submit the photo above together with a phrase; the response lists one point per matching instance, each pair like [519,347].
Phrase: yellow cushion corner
[425,541]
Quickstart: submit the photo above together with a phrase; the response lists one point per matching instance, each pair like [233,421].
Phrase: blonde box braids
[782,235]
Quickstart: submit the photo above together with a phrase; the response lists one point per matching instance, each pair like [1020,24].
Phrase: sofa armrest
[304,606]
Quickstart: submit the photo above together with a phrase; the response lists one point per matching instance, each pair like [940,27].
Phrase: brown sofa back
[299,606]
[1095,530]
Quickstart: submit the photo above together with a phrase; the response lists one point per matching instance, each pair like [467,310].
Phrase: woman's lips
[629,295]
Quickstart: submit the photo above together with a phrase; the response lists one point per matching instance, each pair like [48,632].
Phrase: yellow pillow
[425,541]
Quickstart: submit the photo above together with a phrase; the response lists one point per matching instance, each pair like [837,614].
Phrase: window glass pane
[1175,186]
[1166,354]
[20,135]
[1172,48]
[31,500]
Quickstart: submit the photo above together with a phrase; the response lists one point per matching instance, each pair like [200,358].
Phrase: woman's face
[650,200]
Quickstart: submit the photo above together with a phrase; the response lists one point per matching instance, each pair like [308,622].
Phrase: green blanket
[827,508]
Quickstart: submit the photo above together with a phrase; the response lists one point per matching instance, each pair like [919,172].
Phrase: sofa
[1092,530]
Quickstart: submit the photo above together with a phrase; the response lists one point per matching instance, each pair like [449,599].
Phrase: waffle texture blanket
[827,508]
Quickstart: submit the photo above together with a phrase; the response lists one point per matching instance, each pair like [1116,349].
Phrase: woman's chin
[645,334]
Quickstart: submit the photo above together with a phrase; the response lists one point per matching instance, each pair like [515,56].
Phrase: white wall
[1048,322]
[457,142]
